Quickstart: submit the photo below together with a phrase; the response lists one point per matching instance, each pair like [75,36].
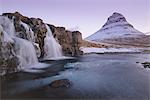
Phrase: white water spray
[26,53]
[51,46]
[29,32]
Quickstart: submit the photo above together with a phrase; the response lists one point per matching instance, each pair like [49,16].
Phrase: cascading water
[31,37]
[26,53]
[24,49]
[7,28]
[51,46]
[29,32]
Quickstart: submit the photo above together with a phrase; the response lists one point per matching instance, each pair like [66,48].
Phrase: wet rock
[146,64]
[36,24]
[39,29]
[70,41]
[17,16]
[34,29]
[8,61]
[62,83]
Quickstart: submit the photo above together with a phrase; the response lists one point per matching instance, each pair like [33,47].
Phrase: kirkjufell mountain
[20,34]
[115,27]
[40,60]
[118,31]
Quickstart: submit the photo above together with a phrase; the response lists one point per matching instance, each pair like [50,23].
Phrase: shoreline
[118,53]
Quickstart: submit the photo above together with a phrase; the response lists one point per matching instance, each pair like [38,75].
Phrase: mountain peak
[115,27]
[116,13]
[115,18]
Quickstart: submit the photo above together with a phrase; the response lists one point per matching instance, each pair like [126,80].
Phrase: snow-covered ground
[115,32]
[107,50]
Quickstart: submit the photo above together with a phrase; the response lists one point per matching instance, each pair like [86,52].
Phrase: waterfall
[29,32]
[26,53]
[31,37]
[7,28]
[51,46]
[24,49]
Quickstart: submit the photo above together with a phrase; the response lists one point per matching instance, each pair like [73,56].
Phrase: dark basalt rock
[62,83]
[146,64]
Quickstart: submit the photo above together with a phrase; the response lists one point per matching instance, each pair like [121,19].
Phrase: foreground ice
[59,58]
[108,79]
[107,50]
[36,68]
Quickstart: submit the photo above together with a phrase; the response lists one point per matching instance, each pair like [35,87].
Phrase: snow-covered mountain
[147,33]
[115,27]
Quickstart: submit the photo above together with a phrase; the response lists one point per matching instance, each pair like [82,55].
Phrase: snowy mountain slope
[115,27]
[148,33]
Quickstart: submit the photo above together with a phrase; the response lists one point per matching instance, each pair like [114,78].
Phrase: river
[93,76]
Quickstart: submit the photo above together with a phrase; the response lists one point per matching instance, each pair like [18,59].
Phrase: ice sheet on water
[81,77]
[107,50]
[59,58]
[33,70]
[36,68]
[40,66]
[85,65]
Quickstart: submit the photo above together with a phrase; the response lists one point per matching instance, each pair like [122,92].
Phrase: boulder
[146,64]
[62,83]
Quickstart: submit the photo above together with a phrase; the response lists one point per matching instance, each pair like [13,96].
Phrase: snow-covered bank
[107,50]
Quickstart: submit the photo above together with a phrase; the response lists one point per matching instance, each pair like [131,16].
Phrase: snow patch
[107,50]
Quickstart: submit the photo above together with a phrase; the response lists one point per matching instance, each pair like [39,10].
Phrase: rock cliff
[70,41]
[33,30]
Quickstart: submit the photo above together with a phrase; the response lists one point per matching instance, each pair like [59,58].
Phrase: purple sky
[86,16]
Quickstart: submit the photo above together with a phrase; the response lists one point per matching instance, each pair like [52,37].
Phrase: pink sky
[86,16]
